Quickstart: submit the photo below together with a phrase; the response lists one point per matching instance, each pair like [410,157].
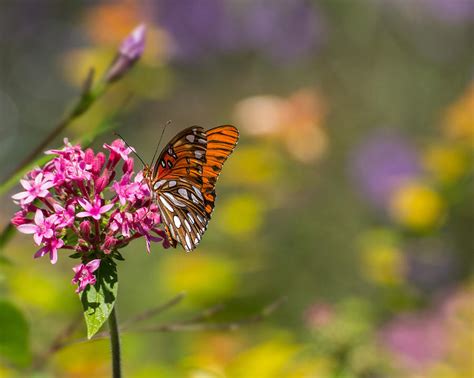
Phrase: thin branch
[82,104]
[187,326]
[60,341]
[205,314]
[154,311]
[221,326]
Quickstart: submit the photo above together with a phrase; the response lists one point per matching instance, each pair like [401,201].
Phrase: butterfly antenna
[159,141]
[133,150]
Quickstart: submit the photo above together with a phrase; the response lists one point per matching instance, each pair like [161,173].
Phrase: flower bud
[85,229]
[89,156]
[19,219]
[109,244]
[101,183]
[128,166]
[130,51]
[98,163]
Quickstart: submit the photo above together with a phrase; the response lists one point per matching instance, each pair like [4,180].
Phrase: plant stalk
[115,344]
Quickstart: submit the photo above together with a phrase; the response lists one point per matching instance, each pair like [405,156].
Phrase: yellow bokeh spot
[459,119]
[76,63]
[200,275]
[267,360]
[446,163]
[37,289]
[6,372]
[416,206]
[90,359]
[240,215]
[315,368]
[257,164]
[213,352]
[383,264]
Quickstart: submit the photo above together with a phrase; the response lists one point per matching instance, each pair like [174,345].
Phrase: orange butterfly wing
[221,141]
[183,180]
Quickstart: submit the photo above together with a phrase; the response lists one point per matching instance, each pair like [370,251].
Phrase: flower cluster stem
[115,344]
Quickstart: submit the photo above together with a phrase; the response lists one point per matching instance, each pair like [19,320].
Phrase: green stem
[83,103]
[115,344]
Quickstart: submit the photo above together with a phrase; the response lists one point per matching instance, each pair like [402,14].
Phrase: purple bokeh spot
[381,163]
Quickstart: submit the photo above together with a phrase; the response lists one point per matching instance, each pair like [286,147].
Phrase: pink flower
[37,188]
[118,149]
[51,246]
[42,228]
[122,221]
[125,191]
[84,274]
[94,210]
[63,217]
[79,184]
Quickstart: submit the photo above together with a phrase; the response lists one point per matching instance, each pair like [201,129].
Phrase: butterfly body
[183,180]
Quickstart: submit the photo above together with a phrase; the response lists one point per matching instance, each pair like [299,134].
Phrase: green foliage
[14,335]
[98,300]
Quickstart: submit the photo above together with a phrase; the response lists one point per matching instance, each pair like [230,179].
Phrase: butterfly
[183,180]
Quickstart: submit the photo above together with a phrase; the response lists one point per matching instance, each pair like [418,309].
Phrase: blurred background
[350,192]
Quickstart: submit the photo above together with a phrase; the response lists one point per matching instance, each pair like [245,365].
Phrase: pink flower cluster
[83,202]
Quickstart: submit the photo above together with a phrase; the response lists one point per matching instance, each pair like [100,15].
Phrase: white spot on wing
[188,242]
[177,221]
[193,197]
[165,202]
[173,199]
[198,154]
[190,138]
[198,193]
[191,219]
[158,184]
[183,192]
[188,226]
[172,183]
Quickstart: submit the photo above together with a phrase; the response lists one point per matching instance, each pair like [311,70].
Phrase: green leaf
[98,300]
[14,343]
[118,256]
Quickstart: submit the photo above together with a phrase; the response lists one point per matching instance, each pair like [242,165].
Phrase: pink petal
[26,184]
[93,265]
[39,218]
[20,195]
[38,238]
[77,268]
[27,228]
[106,208]
[40,253]
[83,214]
[85,204]
[28,200]
[57,207]
[43,193]
[53,255]
[39,178]
[47,185]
